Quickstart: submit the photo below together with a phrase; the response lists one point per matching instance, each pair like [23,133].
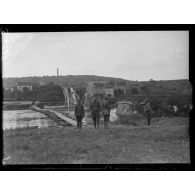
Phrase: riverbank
[166,141]
[22,105]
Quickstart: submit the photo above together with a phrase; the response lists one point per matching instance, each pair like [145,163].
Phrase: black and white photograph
[96,97]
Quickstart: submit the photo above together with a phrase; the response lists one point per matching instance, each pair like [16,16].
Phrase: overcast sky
[133,55]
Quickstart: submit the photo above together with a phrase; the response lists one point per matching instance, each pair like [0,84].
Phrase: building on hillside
[11,89]
[21,85]
[109,92]
[125,108]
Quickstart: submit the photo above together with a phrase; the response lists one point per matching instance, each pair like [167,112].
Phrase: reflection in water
[13,119]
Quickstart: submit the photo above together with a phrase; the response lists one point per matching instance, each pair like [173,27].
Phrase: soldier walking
[148,112]
[79,114]
[106,111]
[95,112]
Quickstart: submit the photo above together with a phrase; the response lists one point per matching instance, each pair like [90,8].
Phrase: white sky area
[132,55]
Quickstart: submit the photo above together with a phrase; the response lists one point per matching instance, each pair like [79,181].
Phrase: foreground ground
[166,141]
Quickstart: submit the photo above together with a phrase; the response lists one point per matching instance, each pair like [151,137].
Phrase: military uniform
[95,112]
[106,112]
[148,112]
[79,114]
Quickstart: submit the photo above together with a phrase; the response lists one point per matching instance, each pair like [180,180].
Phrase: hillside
[81,81]
[73,80]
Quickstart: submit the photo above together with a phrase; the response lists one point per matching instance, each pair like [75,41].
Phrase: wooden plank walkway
[63,117]
[68,120]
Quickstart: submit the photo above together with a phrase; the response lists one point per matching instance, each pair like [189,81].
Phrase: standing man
[106,111]
[95,112]
[79,114]
[148,112]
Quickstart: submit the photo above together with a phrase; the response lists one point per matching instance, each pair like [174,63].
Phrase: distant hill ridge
[75,80]
[82,80]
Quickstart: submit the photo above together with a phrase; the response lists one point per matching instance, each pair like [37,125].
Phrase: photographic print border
[105,167]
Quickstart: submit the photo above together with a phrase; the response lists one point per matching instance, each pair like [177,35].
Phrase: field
[165,141]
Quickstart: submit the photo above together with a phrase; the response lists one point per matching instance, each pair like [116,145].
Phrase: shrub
[132,119]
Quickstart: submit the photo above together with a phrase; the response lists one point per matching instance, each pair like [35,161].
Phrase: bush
[130,119]
[50,96]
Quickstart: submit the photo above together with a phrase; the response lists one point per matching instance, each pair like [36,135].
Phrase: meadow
[165,141]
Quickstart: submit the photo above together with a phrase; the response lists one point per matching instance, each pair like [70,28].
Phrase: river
[14,119]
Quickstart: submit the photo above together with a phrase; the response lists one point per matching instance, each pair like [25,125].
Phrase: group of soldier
[96,108]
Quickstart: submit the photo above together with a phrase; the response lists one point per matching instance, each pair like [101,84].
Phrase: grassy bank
[166,141]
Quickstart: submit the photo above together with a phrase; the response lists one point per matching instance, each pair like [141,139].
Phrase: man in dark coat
[79,114]
[106,111]
[95,108]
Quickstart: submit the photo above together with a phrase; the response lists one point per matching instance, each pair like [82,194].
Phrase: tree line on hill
[164,102]
[46,93]
[80,81]
[170,92]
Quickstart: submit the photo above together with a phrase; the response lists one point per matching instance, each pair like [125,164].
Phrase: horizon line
[97,76]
